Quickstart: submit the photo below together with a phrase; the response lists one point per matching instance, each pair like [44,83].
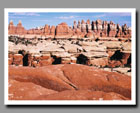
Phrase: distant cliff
[81,29]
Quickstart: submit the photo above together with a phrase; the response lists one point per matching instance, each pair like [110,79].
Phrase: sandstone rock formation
[69,81]
[47,60]
[97,28]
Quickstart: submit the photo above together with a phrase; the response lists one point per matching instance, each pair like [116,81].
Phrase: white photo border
[71,102]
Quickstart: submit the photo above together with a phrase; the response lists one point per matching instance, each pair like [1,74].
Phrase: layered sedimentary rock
[62,30]
[69,81]
[11,28]
[87,29]
[103,49]
[104,29]
[88,52]
[111,29]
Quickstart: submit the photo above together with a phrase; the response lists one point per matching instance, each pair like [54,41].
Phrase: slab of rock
[112,45]
[61,54]
[94,48]
[26,90]
[40,76]
[73,77]
[95,54]
[82,95]
[100,62]
[72,48]
[122,70]
[126,46]
[85,77]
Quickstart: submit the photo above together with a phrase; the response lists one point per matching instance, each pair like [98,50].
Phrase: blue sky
[32,19]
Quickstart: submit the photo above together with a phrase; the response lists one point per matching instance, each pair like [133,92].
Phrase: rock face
[62,30]
[82,95]
[103,53]
[67,82]
[83,29]
[26,90]
[112,29]
[93,61]
[11,28]
[19,29]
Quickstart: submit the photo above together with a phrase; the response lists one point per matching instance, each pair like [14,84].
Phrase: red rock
[82,95]
[20,29]
[62,30]
[89,27]
[119,31]
[74,25]
[104,29]
[52,31]
[110,53]
[10,55]
[99,24]
[83,26]
[79,25]
[125,58]
[66,61]
[126,31]
[78,77]
[36,57]
[112,29]
[45,57]
[11,28]
[102,62]
[94,26]
[44,76]
[26,90]
[10,61]
[34,63]
[30,31]
[114,96]
[90,35]
[18,59]
[47,29]
[46,62]
[114,63]
[118,59]
[85,77]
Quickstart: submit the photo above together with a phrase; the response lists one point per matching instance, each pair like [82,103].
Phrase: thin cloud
[125,22]
[44,20]
[118,14]
[15,17]
[99,16]
[112,15]
[66,17]
[25,14]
